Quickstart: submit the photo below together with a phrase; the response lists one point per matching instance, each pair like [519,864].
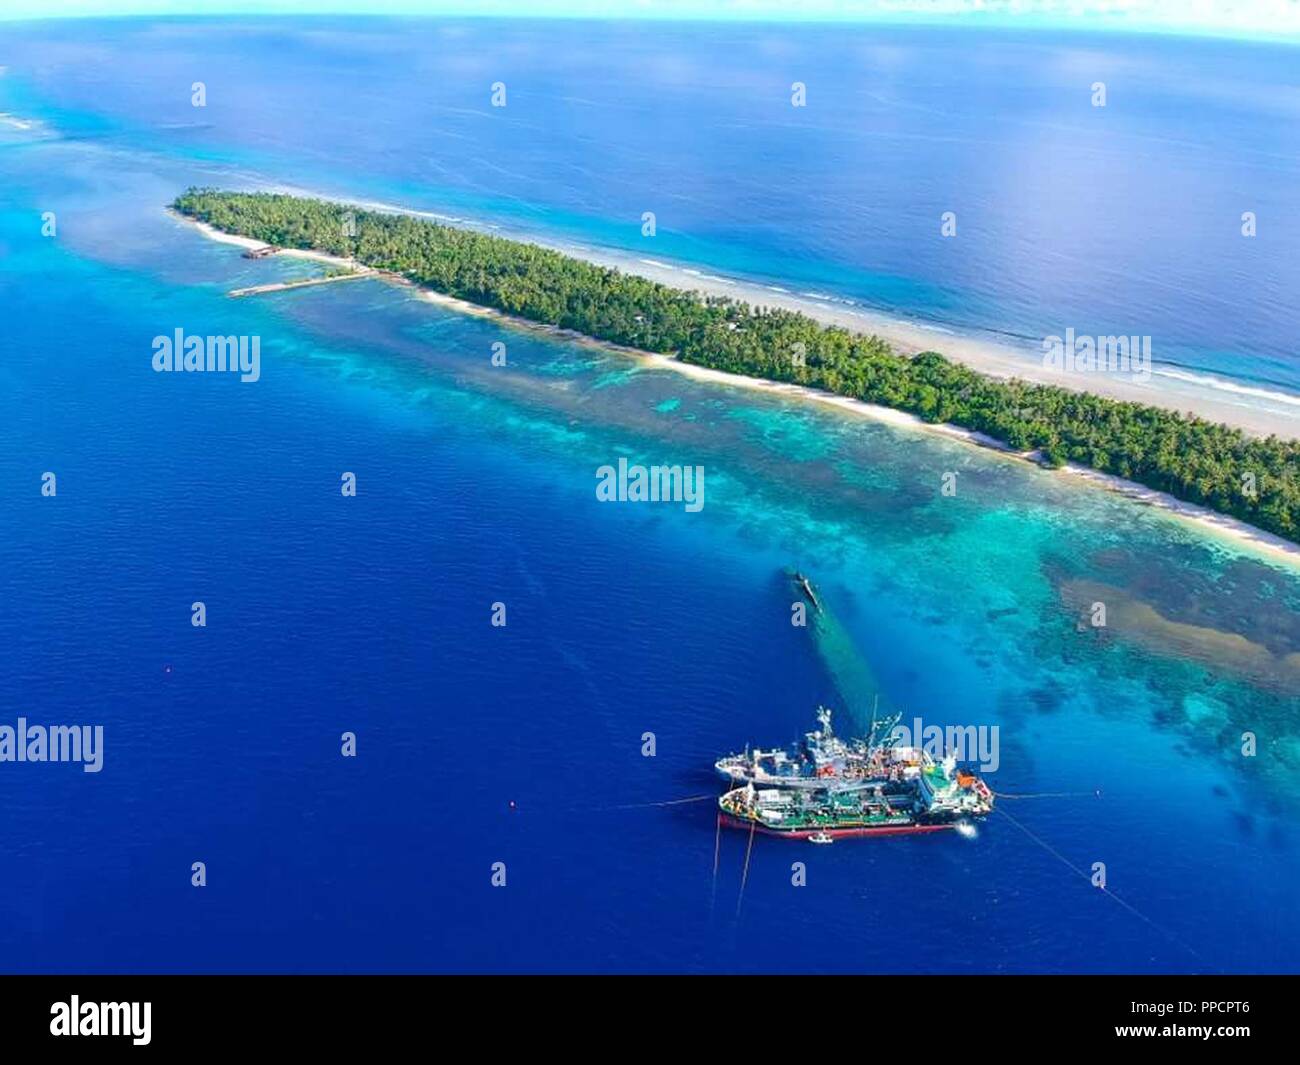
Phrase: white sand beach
[249,244]
[1227,530]
[1256,411]
[1259,411]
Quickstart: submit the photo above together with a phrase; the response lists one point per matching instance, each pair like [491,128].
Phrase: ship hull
[835,833]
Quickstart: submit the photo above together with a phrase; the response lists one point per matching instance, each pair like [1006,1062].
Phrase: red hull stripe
[834,833]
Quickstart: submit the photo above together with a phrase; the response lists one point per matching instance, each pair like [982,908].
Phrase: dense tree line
[1184,455]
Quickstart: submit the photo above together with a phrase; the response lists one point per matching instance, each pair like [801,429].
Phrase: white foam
[1222,385]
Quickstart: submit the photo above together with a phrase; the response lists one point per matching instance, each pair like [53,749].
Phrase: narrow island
[1256,480]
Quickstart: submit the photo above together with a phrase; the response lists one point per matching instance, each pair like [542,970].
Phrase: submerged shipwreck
[826,787]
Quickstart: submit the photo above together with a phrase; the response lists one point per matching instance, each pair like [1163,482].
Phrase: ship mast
[824,719]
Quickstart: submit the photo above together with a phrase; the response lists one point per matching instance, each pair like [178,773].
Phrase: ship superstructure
[827,787]
[823,759]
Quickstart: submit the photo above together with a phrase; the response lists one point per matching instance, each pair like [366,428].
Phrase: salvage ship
[827,788]
[821,758]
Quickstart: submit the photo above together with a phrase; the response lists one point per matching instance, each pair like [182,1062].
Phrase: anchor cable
[1106,891]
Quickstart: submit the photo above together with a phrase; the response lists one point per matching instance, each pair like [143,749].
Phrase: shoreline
[1255,409]
[1236,533]
[249,244]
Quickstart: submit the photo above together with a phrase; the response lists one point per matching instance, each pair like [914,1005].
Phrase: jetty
[307,282]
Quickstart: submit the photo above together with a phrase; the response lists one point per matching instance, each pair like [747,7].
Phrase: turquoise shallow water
[476,485]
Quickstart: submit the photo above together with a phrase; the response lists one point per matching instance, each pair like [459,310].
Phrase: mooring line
[631,805]
[1047,795]
[1105,891]
[670,802]
[744,877]
[717,846]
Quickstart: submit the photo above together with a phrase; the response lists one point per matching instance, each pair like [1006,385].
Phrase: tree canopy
[1257,480]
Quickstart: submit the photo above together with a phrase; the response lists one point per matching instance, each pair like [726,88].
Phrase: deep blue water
[371,614]
[1123,219]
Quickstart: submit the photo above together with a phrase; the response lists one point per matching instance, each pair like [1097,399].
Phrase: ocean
[522,744]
